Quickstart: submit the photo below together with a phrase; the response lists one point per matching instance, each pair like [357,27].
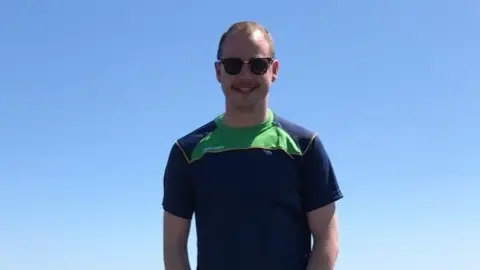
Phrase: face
[246,70]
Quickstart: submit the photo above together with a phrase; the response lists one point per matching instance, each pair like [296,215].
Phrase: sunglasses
[258,66]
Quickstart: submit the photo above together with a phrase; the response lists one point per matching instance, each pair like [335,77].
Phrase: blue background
[94,93]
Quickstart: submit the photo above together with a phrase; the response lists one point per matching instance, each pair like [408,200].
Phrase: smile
[244,90]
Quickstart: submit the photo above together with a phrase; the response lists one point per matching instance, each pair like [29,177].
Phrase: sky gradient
[94,93]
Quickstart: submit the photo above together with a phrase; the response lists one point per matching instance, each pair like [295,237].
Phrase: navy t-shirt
[250,189]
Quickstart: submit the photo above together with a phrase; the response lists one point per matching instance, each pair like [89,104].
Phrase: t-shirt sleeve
[178,197]
[319,186]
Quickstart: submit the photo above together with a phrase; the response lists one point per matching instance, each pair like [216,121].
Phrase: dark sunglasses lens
[232,66]
[259,66]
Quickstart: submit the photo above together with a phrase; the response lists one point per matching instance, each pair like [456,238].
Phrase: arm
[178,204]
[323,224]
[175,239]
[319,193]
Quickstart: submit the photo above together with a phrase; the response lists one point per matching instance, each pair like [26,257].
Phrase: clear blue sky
[94,93]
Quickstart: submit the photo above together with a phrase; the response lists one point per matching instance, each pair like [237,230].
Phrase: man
[259,185]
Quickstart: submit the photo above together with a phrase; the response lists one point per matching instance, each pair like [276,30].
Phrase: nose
[245,72]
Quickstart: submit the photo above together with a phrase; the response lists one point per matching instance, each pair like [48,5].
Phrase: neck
[235,118]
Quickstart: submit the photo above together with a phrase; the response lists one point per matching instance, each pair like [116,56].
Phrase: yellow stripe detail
[310,143]
[183,152]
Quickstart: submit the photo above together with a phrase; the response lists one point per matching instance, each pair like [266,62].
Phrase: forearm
[323,257]
[176,258]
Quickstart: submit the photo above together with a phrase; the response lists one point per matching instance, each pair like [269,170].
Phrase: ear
[218,71]
[275,67]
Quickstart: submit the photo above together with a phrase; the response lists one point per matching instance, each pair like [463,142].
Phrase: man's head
[246,65]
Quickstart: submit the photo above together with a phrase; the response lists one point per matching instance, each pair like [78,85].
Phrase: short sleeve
[178,197]
[319,186]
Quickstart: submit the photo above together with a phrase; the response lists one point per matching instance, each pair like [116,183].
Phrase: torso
[247,207]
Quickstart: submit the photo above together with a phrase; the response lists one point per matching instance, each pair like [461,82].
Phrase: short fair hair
[248,27]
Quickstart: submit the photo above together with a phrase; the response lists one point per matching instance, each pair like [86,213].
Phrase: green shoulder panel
[268,138]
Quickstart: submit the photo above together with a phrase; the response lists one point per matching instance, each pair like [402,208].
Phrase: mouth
[244,90]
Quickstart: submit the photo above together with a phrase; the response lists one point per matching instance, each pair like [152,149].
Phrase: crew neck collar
[265,124]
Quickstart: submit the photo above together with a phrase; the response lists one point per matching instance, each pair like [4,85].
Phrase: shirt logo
[213,148]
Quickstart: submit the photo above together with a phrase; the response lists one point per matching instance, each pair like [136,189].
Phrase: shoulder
[188,142]
[300,134]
